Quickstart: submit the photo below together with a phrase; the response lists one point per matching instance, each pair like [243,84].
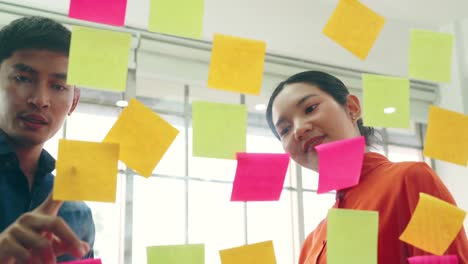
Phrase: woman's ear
[353,107]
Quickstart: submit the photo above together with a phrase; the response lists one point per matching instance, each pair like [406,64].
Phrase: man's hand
[40,236]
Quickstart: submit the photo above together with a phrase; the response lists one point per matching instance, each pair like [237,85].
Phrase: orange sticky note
[236,64]
[144,137]
[434,225]
[447,136]
[86,171]
[259,253]
[354,26]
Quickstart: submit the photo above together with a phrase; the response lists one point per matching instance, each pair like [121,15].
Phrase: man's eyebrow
[24,68]
[60,76]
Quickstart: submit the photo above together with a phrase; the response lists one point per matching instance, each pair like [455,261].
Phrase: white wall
[454,96]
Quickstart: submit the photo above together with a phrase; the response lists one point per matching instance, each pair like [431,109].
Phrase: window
[91,123]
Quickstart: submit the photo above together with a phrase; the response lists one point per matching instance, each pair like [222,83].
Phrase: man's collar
[4,147]
[46,163]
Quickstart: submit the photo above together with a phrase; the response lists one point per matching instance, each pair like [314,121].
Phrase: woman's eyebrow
[303,99]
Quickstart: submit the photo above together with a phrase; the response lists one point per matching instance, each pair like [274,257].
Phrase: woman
[311,108]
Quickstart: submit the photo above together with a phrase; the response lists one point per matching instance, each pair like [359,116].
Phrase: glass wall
[186,200]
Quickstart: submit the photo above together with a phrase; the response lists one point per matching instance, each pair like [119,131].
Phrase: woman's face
[305,116]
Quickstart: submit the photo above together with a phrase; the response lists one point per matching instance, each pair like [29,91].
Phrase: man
[34,102]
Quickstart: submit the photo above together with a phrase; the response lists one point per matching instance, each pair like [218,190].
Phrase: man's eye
[22,79]
[310,109]
[59,87]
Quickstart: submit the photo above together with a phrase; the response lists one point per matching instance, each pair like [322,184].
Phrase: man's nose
[40,97]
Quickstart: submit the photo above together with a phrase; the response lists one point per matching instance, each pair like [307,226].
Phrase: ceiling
[422,12]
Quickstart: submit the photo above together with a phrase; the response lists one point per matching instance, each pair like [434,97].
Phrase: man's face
[34,96]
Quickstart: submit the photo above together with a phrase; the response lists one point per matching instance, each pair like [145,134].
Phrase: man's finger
[28,238]
[49,206]
[62,231]
[15,251]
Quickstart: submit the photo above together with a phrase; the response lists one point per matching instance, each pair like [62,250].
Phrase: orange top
[393,190]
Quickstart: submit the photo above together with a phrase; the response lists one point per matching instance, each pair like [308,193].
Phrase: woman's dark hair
[33,33]
[325,82]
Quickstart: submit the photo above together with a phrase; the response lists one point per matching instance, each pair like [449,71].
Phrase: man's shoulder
[75,209]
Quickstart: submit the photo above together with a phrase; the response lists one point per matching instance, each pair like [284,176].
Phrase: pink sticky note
[259,176]
[340,163]
[84,261]
[110,12]
[449,259]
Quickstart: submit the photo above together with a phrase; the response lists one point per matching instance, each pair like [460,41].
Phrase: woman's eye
[310,109]
[284,131]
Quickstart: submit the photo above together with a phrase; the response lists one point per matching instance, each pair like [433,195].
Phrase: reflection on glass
[208,168]
[87,124]
[274,221]
[158,214]
[316,209]
[397,154]
[213,219]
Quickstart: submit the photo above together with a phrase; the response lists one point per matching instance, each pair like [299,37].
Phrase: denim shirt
[16,198]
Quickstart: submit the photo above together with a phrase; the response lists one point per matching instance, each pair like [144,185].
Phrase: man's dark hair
[33,33]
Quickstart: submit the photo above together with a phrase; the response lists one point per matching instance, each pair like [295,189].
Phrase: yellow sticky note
[259,253]
[219,130]
[143,136]
[99,58]
[86,171]
[447,136]
[236,64]
[167,16]
[430,55]
[354,26]
[386,101]
[434,225]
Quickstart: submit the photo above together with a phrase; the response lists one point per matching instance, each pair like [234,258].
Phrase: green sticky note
[219,130]
[352,236]
[177,17]
[99,58]
[386,101]
[178,254]
[430,55]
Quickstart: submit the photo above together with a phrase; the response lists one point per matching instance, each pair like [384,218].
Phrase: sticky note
[176,254]
[259,176]
[386,101]
[352,236]
[449,259]
[430,55]
[447,136]
[86,171]
[99,58]
[83,261]
[144,137]
[433,225]
[219,130]
[110,12]
[354,26]
[177,17]
[236,64]
[259,253]
[340,163]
